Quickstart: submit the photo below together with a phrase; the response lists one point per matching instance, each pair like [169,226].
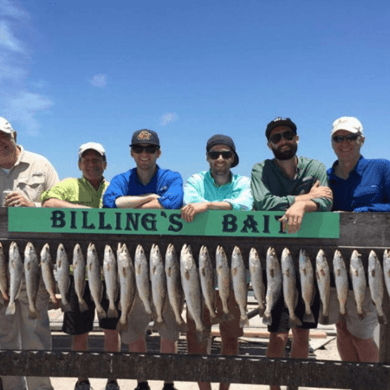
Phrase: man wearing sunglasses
[359,185]
[294,185]
[147,186]
[217,189]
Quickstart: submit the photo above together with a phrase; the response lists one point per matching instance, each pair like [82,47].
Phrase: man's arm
[189,211]
[59,203]
[241,198]
[138,202]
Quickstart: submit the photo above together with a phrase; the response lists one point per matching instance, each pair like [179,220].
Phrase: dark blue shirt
[166,183]
[366,189]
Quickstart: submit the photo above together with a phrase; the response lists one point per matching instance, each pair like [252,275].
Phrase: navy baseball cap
[220,139]
[145,136]
[280,122]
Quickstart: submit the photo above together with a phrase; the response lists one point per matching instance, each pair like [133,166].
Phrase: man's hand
[189,211]
[17,200]
[318,191]
[293,217]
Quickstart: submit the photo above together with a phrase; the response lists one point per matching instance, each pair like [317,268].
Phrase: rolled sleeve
[242,199]
[172,198]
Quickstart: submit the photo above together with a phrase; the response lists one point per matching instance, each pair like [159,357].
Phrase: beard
[287,154]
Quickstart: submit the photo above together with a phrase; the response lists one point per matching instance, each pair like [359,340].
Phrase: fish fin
[122,326]
[11,308]
[267,320]
[65,307]
[187,275]
[112,313]
[83,306]
[308,317]
[120,305]
[382,319]
[169,272]
[244,322]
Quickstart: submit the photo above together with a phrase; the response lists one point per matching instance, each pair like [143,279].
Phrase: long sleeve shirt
[201,187]
[273,191]
[166,183]
[366,189]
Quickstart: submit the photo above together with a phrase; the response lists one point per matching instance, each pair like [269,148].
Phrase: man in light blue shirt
[217,189]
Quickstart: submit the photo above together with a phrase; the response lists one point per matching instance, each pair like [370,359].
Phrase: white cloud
[99,80]
[24,107]
[18,101]
[169,117]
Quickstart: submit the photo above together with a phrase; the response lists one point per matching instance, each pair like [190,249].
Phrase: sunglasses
[225,155]
[287,135]
[138,149]
[340,138]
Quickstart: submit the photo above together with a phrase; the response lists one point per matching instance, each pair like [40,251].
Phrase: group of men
[288,183]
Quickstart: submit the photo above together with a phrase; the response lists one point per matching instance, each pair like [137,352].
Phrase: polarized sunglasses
[225,155]
[340,138]
[138,149]
[287,135]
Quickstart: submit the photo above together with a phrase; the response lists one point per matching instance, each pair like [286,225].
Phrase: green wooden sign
[168,222]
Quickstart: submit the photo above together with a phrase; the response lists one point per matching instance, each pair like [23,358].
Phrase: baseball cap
[278,121]
[92,145]
[145,136]
[348,123]
[220,139]
[5,126]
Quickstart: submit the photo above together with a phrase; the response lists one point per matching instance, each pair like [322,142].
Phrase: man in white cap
[359,185]
[26,175]
[85,192]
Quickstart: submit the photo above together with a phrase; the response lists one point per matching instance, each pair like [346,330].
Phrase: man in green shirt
[85,192]
[294,185]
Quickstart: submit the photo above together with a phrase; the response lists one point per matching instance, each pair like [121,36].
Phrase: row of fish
[157,279]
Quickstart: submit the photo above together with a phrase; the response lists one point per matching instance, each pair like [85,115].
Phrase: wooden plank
[233,369]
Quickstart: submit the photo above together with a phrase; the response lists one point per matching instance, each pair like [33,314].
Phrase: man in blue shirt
[146,186]
[217,189]
[358,185]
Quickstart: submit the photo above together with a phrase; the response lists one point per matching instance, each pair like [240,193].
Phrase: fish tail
[83,306]
[33,313]
[382,319]
[308,317]
[101,312]
[295,321]
[112,313]
[261,311]
[267,319]
[183,327]
[244,321]
[122,325]
[10,309]
[214,318]
[65,307]
[362,315]
[325,319]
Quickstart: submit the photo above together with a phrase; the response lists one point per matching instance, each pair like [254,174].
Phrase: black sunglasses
[340,138]
[138,149]
[287,135]
[225,155]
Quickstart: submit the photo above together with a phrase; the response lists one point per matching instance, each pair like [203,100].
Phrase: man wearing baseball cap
[217,189]
[26,175]
[147,186]
[85,192]
[294,185]
[359,185]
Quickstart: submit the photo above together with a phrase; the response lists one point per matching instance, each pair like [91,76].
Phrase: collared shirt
[77,191]
[201,187]
[273,191]
[30,176]
[366,189]
[166,183]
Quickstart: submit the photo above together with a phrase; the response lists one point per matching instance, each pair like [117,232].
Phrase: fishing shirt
[273,191]
[366,189]
[166,183]
[30,176]
[201,187]
[77,191]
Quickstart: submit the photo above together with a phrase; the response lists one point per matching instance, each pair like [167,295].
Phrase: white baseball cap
[92,145]
[348,123]
[5,126]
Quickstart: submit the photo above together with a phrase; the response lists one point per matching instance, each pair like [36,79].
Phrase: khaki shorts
[139,320]
[362,329]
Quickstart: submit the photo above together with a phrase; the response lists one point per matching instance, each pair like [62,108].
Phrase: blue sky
[78,71]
